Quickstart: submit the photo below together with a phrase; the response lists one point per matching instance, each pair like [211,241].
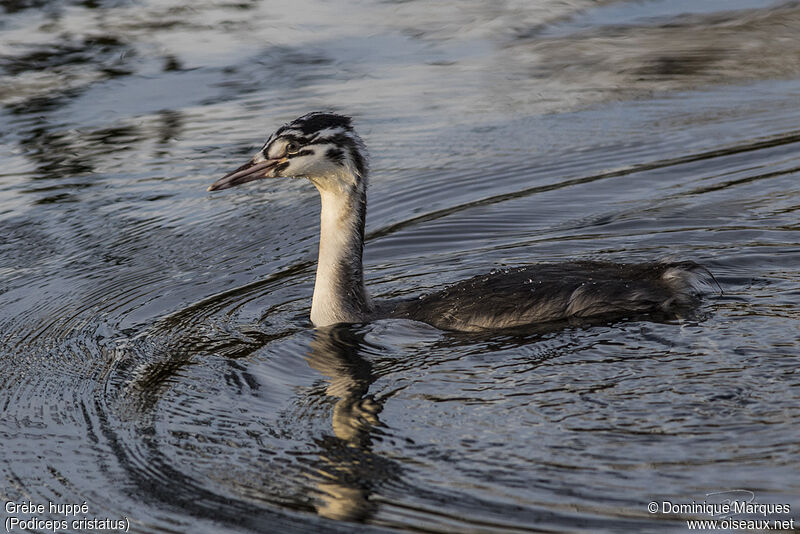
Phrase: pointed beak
[246,173]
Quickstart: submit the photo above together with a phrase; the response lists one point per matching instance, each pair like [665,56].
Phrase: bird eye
[292,147]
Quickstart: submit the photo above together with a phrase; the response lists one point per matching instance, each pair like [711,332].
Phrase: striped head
[322,147]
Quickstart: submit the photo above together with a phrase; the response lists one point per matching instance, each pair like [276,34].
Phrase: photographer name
[725,508]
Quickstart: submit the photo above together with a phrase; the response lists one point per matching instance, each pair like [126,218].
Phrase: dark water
[156,358]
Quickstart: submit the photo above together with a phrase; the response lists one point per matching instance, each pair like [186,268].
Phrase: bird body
[324,148]
[543,293]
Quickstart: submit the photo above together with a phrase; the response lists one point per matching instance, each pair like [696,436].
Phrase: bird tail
[688,281]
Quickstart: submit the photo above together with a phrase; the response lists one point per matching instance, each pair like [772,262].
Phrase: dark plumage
[314,122]
[515,297]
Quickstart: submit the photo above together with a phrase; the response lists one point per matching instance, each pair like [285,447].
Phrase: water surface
[156,358]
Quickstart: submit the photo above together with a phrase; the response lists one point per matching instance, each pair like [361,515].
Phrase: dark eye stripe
[345,143]
[300,153]
[300,140]
[335,154]
[295,138]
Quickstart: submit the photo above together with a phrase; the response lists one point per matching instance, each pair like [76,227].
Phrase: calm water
[156,358]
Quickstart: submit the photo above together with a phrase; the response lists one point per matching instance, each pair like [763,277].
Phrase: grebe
[324,148]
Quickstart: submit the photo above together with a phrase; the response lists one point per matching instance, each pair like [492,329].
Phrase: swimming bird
[325,149]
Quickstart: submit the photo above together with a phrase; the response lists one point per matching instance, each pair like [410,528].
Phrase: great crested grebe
[324,148]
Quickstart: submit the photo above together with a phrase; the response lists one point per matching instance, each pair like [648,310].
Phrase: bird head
[322,147]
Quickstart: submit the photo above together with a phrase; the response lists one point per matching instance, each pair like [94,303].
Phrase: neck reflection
[349,471]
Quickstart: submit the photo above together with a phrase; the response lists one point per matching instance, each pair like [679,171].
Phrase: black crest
[314,122]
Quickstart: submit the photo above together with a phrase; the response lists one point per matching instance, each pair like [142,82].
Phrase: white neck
[339,293]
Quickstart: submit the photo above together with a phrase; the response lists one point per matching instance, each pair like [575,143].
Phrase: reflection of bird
[324,148]
[350,469]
